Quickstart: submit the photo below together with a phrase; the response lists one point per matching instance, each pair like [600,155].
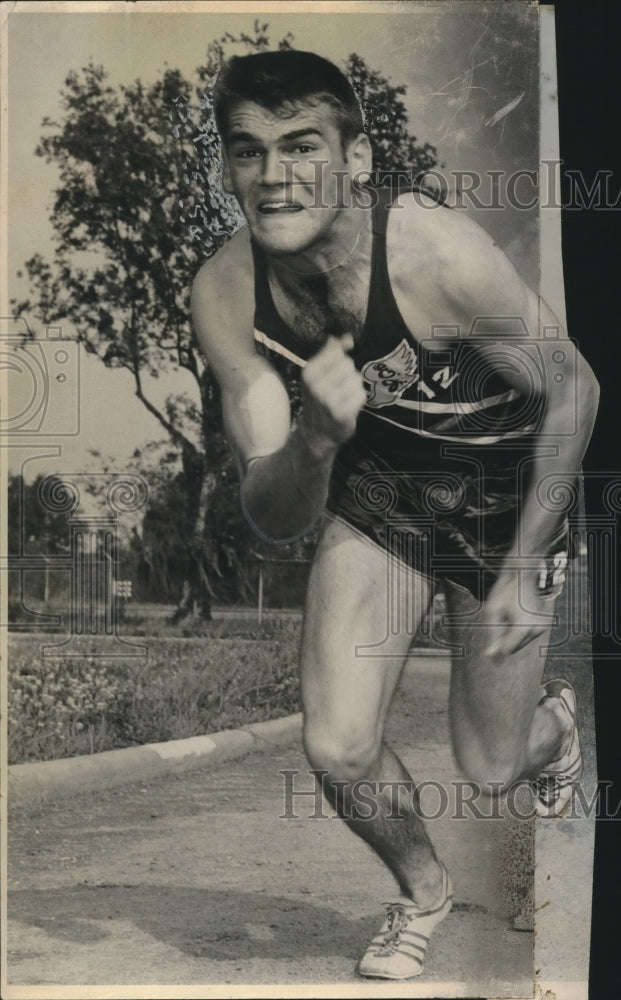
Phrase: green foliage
[122,267]
[33,525]
[61,708]
[57,706]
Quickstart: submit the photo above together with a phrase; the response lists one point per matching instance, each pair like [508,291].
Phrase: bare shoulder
[223,301]
[437,248]
[235,254]
[429,227]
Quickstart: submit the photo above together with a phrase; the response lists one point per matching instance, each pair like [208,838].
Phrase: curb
[48,779]
[44,780]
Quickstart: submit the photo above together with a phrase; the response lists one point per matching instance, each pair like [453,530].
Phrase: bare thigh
[492,701]
[362,610]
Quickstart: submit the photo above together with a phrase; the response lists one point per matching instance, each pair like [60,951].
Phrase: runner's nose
[274,170]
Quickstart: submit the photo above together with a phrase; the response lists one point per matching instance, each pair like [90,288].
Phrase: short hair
[283,80]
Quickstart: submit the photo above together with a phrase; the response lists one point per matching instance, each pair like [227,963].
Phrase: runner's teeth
[280,204]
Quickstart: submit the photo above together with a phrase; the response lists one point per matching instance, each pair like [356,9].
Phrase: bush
[65,707]
[58,707]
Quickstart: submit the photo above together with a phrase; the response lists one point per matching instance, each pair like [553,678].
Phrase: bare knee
[492,771]
[343,755]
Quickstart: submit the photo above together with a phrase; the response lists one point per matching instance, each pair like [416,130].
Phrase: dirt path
[197,880]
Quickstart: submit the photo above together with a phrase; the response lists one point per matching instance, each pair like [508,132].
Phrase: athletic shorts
[453,518]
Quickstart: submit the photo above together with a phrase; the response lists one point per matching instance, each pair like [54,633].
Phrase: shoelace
[548,788]
[397,921]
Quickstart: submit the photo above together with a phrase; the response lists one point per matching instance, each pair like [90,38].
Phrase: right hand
[332,395]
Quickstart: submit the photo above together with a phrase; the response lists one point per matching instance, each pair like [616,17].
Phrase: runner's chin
[284,232]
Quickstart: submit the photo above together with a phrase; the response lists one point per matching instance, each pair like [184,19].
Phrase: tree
[165,526]
[138,209]
[34,526]
[38,525]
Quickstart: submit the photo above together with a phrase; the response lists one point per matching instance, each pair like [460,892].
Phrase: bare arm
[467,276]
[539,365]
[569,394]
[285,470]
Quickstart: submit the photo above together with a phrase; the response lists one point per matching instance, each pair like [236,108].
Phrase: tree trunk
[196,596]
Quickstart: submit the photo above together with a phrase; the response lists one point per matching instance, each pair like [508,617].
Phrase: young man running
[434,412]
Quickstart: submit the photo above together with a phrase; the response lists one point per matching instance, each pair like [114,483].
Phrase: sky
[435,48]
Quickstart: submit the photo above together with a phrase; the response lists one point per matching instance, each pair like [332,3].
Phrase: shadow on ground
[202,923]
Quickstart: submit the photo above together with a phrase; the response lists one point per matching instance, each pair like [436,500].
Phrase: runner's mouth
[278,207]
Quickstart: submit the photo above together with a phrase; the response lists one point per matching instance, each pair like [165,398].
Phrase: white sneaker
[398,950]
[553,787]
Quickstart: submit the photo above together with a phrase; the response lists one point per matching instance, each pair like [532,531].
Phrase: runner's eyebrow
[287,137]
[242,137]
[298,133]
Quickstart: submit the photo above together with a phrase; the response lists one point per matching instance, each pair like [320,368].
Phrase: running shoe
[398,950]
[554,786]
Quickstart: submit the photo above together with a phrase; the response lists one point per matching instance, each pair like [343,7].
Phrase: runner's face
[270,169]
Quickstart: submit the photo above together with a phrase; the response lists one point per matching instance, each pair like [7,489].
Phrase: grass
[198,677]
[231,674]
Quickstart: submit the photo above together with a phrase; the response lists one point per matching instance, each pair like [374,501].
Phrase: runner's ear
[359,154]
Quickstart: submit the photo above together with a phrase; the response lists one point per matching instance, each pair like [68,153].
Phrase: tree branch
[174,432]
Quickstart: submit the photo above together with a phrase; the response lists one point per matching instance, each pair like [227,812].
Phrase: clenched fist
[332,395]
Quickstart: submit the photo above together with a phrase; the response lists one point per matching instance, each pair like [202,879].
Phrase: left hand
[510,608]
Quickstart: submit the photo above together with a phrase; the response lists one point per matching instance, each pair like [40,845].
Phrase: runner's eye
[247,154]
[301,148]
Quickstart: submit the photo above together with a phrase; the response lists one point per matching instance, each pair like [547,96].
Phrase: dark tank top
[424,392]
